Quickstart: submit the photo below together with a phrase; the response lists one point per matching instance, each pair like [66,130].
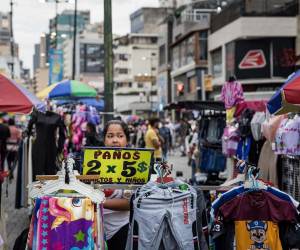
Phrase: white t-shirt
[115,220]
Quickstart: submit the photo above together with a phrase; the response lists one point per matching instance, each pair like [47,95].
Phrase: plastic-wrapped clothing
[256,122]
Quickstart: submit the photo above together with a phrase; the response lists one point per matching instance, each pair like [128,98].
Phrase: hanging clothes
[255,215]
[287,138]
[66,223]
[232,94]
[45,149]
[165,216]
[267,164]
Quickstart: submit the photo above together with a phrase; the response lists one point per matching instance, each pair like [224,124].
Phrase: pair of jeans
[163,214]
[212,160]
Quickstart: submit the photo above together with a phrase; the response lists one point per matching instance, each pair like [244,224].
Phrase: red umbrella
[17,99]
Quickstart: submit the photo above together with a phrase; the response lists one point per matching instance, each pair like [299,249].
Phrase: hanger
[163,170]
[66,181]
[252,183]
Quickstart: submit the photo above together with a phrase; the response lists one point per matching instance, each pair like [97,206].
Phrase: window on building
[203,45]
[91,58]
[216,58]
[123,71]
[130,84]
[140,85]
[184,53]
[175,54]
[190,49]
[162,54]
[192,84]
[153,40]
[123,57]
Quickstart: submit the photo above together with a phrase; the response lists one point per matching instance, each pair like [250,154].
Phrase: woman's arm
[117,204]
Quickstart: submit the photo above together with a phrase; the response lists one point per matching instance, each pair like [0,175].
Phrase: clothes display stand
[255,214]
[166,215]
[67,214]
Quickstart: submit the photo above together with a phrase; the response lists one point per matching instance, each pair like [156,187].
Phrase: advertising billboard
[56,61]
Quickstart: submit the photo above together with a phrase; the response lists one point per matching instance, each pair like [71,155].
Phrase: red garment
[257,106]
[258,205]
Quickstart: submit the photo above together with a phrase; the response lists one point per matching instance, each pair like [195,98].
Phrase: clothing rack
[93,179]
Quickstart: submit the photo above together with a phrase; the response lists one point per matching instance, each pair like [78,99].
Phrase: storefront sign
[252,59]
[118,165]
[208,83]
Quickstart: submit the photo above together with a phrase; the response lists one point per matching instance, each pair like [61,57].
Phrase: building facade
[190,31]
[147,20]
[255,41]
[65,26]
[89,57]
[135,71]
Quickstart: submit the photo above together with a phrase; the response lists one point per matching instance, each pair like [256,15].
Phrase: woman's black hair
[231,78]
[92,127]
[117,122]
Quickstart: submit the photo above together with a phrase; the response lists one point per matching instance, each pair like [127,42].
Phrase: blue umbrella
[98,104]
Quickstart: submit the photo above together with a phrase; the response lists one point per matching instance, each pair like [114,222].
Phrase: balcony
[254,8]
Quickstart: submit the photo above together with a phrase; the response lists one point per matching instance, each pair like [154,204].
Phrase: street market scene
[149,124]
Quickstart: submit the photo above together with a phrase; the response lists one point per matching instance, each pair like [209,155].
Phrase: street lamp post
[108,62]
[74,42]
[12,49]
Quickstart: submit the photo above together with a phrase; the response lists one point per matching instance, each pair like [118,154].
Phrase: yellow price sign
[118,165]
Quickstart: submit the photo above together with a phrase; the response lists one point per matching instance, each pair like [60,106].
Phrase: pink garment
[14,139]
[269,127]
[287,138]
[230,141]
[232,94]
[15,134]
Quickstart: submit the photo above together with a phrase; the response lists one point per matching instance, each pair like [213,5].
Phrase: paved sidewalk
[16,219]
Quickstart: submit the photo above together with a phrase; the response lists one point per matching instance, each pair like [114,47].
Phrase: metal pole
[12,49]
[108,62]
[203,94]
[151,82]
[74,42]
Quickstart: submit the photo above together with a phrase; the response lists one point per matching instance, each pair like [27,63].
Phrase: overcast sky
[31,18]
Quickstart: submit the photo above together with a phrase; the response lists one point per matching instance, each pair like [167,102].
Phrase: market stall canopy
[67,89]
[16,98]
[287,98]
[98,104]
[196,105]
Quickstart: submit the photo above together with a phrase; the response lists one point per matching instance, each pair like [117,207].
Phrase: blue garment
[212,160]
[243,149]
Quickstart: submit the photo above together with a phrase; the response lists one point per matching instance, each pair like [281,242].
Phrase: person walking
[153,139]
[12,146]
[165,133]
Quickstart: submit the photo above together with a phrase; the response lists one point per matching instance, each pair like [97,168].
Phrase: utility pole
[108,63]
[12,49]
[74,42]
